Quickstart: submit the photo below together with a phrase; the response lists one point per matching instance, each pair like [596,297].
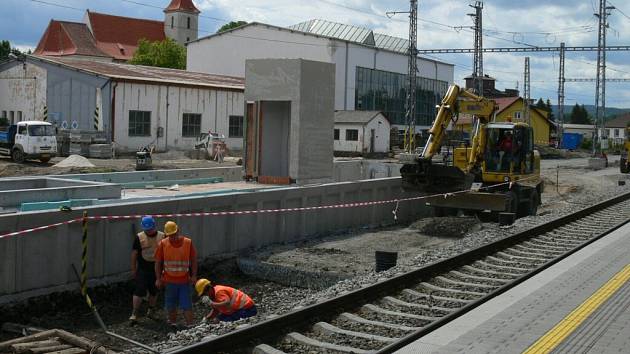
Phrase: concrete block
[597,163]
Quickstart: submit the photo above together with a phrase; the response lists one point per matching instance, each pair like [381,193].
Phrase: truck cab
[29,140]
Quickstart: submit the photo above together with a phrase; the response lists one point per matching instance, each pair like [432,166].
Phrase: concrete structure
[40,262]
[15,191]
[138,105]
[518,318]
[361,132]
[365,63]
[289,128]
[105,37]
[512,109]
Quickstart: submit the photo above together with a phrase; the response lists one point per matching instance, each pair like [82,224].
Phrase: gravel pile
[74,161]
[285,300]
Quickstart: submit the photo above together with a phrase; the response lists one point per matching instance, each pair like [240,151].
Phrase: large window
[352,135]
[191,125]
[387,92]
[236,127]
[139,123]
[336,134]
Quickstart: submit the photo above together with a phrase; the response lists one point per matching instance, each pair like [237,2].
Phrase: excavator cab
[624,160]
[509,152]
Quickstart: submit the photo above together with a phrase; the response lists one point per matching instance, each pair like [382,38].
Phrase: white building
[361,132]
[587,130]
[134,105]
[370,69]
[615,129]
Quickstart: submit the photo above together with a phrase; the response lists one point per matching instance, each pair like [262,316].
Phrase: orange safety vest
[238,299]
[149,244]
[177,259]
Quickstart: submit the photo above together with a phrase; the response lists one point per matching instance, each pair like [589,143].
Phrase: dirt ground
[170,160]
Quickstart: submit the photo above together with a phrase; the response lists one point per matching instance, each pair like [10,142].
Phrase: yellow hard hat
[200,286]
[170,228]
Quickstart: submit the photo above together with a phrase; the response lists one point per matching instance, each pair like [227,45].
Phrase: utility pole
[526,92]
[561,81]
[478,54]
[600,84]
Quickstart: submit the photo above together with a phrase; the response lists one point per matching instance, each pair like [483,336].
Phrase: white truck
[29,140]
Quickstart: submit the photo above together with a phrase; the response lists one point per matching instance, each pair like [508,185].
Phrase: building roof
[362,117]
[504,102]
[578,126]
[118,36]
[68,38]
[621,121]
[148,74]
[182,5]
[381,41]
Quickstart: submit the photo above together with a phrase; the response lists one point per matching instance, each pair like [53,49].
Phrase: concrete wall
[226,55]
[355,170]
[40,262]
[14,192]
[229,174]
[22,91]
[167,105]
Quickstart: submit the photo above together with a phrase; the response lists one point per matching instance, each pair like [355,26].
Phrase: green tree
[5,49]
[165,54]
[231,25]
[579,115]
[550,110]
[540,104]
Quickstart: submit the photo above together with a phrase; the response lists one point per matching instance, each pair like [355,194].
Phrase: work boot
[133,318]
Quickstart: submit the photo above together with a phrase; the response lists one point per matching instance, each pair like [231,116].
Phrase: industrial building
[361,132]
[370,71]
[133,106]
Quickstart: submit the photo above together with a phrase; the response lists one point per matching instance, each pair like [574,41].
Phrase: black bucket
[385,260]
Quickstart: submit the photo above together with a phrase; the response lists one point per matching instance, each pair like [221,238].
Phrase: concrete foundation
[15,191]
[228,174]
[42,260]
[597,163]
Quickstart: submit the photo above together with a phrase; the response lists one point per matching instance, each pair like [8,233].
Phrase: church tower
[181,21]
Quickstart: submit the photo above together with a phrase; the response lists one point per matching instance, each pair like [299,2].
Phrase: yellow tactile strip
[564,328]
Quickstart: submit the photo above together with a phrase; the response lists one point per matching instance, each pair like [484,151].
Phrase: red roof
[67,38]
[182,5]
[504,102]
[118,36]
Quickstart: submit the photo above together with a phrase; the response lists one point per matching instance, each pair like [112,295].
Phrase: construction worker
[228,304]
[143,266]
[176,269]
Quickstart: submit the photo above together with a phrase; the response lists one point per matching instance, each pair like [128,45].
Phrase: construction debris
[53,341]
[74,161]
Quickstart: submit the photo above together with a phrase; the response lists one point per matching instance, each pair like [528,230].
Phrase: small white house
[361,132]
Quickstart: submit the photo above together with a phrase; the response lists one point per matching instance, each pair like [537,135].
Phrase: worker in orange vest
[228,304]
[176,268]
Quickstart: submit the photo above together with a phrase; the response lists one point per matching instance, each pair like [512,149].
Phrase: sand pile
[74,161]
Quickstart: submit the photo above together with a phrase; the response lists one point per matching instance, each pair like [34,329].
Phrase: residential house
[586,130]
[615,129]
[361,132]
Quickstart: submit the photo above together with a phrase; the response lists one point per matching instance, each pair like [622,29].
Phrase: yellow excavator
[499,171]
[624,164]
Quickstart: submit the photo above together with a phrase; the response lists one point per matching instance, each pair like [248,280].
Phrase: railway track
[390,314]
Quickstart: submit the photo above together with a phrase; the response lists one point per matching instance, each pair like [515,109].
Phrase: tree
[541,104]
[5,49]
[579,115]
[550,110]
[165,54]
[231,25]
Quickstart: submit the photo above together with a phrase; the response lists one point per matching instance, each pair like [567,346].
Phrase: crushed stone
[74,161]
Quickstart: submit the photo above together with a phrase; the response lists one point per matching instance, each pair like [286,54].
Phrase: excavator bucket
[427,177]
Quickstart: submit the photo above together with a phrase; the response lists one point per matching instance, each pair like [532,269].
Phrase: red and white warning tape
[250,212]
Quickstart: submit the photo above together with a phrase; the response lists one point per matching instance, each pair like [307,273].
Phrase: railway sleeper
[501,268]
[431,288]
[437,299]
[382,311]
[459,283]
[310,342]
[541,247]
[460,275]
[325,328]
[266,349]
[346,316]
[559,240]
[488,273]
[440,311]
[530,252]
[535,260]
[515,264]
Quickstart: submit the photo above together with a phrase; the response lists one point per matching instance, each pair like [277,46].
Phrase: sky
[442,24]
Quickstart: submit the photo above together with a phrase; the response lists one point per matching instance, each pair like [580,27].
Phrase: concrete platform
[572,306]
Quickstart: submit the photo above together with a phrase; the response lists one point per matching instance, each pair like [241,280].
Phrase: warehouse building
[132,105]
[370,73]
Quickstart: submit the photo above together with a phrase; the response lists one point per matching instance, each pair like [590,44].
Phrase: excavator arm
[420,173]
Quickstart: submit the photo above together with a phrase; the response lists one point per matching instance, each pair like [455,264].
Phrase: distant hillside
[610,111]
